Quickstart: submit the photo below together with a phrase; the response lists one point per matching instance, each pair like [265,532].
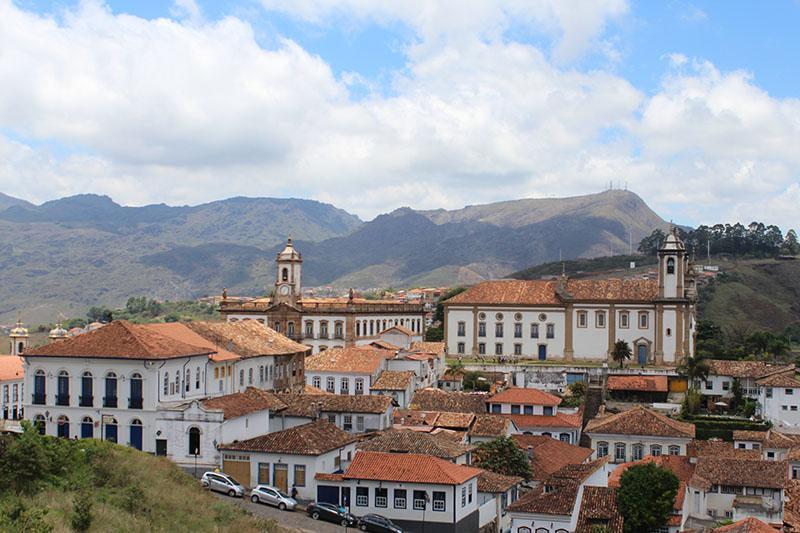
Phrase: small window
[330,384]
[460,348]
[498,329]
[726,385]
[619,452]
[600,319]
[517,330]
[582,319]
[517,349]
[462,329]
[769,392]
[670,265]
[674,450]
[637,452]
[655,450]
[551,331]
[789,392]
[498,348]
[315,381]
[399,498]
[481,329]
[381,497]
[482,348]
[362,496]
[643,320]
[624,318]
[534,331]
[463,496]
[602,449]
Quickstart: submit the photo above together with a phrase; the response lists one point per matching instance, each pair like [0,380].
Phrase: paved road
[297,520]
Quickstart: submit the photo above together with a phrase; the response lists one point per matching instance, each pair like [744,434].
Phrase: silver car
[272,496]
[223,483]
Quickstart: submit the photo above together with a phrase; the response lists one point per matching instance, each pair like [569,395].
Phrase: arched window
[358,328]
[619,452]
[136,434]
[309,329]
[542,530]
[135,401]
[637,452]
[285,274]
[87,428]
[62,388]
[194,441]
[111,430]
[290,329]
[110,399]
[87,390]
[63,427]
[655,450]
[674,450]
[372,327]
[39,389]
[40,423]
[670,266]
[523,529]
[197,378]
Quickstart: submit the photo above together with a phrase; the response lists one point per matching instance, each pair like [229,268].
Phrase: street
[296,520]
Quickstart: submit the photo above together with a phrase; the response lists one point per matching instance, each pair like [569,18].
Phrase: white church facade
[321,323]
[570,320]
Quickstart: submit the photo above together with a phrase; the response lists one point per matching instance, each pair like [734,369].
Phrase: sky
[372,105]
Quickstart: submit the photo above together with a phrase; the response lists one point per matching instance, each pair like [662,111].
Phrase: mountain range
[65,255]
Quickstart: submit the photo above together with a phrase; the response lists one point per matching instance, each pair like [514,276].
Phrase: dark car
[330,513]
[377,524]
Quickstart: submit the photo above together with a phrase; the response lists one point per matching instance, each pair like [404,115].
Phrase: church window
[582,319]
[310,329]
[462,329]
[290,329]
[482,348]
[551,331]
[285,274]
[498,348]
[338,330]
[600,319]
[517,349]
[670,265]
[323,329]
[481,329]
[624,318]
[498,329]
[643,320]
[517,330]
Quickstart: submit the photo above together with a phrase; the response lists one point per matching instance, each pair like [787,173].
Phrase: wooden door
[281,477]
[237,466]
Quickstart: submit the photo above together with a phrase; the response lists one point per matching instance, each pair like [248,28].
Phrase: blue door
[136,436]
[111,432]
[542,352]
[641,354]
[87,430]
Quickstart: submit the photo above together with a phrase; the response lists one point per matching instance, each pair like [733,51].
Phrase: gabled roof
[407,441]
[747,525]
[739,473]
[247,338]
[495,483]
[393,380]
[398,329]
[558,420]
[786,380]
[381,344]
[314,438]
[457,402]
[599,508]
[350,360]
[310,405]
[638,383]
[524,396]
[11,368]
[120,340]
[640,421]
[408,468]
[558,493]
[719,448]
[768,439]
[455,420]
[548,455]
[745,369]
[242,403]
[490,426]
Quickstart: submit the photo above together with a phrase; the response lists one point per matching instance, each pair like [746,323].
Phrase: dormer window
[670,265]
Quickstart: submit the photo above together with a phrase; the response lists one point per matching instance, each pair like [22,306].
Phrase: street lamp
[425,506]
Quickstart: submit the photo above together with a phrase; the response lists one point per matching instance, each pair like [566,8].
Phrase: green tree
[646,496]
[621,352]
[473,381]
[650,244]
[790,245]
[24,462]
[692,401]
[694,369]
[99,314]
[737,393]
[502,456]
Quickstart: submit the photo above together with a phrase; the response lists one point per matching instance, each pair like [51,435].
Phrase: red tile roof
[748,525]
[640,421]
[490,426]
[400,329]
[120,340]
[768,439]
[246,338]
[558,420]
[314,438]
[408,468]
[350,360]
[638,383]
[599,508]
[457,402]
[786,380]
[455,420]
[495,483]
[745,369]
[435,348]
[681,466]
[557,494]
[524,396]
[718,448]
[11,368]
[407,441]
[308,405]
[612,289]
[739,473]
[393,380]
[242,403]
[548,455]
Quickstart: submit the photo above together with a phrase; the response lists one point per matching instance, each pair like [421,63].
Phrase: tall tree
[695,369]
[502,456]
[646,497]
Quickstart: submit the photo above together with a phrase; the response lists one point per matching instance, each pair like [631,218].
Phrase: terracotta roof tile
[548,455]
[393,380]
[558,493]
[739,473]
[524,396]
[638,383]
[11,368]
[408,468]
[640,421]
[558,420]
[308,405]
[615,289]
[457,402]
[410,417]
[310,389]
[768,439]
[120,340]
[786,380]
[680,465]
[745,369]
[381,344]
[490,426]
[314,438]
[400,329]
[791,507]
[179,332]
[748,525]
[407,441]
[246,338]
[599,508]
[718,448]
[435,348]
[242,403]
[350,360]
[495,483]
[455,420]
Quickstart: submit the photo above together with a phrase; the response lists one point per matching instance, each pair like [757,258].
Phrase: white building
[440,445]
[12,387]
[113,382]
[734,489]
[779,399]
[771,444]
[353,414]
[579,319]
[399,384]
[321,323]
[409,489]
[289,458]
[723,373]
[346,371]
[495,493]
[633,434]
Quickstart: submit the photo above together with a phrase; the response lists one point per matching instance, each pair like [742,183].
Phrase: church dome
[673,242]
[289,253]
[58,332]
[19,330]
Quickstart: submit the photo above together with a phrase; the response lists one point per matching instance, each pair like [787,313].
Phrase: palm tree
[695,369]
[621,352]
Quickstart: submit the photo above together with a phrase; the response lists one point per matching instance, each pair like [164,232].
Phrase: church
[322,323]
[580,320]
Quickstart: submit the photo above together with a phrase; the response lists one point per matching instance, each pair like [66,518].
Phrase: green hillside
[57,485]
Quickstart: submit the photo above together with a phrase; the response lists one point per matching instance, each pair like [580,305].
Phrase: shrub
[81,518]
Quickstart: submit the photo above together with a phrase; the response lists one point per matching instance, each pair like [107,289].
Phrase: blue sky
[376,105]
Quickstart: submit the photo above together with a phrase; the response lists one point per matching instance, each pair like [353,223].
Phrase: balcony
[109,401]
[135,403]
[86,401]
[62,399]
[39,399]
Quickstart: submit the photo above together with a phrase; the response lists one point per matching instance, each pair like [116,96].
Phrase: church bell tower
[287,276]
[672,265]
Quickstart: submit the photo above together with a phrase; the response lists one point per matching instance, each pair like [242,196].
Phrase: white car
[223,483]
[272,496]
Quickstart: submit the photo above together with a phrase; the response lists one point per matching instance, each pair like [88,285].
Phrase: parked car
[376,523]
[272,496]
[331,513]
[223,483]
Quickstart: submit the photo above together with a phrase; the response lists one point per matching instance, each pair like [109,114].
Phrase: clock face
[284,290]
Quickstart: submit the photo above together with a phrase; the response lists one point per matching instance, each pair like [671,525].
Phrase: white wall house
[353,414]
[636,433]
[288,458]
[772,445]
[409,489]
[779,400]
[12,387]
[579,319]
[495,493]
[346,370]
[399,385]
[723,373]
